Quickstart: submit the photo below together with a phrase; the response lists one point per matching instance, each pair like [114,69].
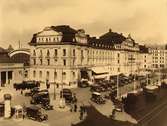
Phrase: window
[55,52]
[118,55]
[46,39]
[34,60]
[64,75]
[118,69]
[118,61]
[64,62]
[73,52]
[82,54]
[34,73]
[55,75]
[48,60]
[73,62]
[25,74]
[40,74]
[73,73]
[47,75]
[144,66]
[55,60]
[48,53]
[41,53]
[41,62]
[64,52]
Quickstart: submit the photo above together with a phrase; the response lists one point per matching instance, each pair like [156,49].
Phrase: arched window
[40,74]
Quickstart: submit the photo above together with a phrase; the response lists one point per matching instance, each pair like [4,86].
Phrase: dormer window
[46,39]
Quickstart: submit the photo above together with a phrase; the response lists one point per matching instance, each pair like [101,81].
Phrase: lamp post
[54,96]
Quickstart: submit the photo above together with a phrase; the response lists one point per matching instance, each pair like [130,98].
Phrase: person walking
[81,114]
[75,107]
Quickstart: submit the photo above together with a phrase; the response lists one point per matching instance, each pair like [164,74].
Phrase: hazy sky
[146,20]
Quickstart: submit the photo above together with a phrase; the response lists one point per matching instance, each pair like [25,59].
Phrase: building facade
[159,57]
[65,55]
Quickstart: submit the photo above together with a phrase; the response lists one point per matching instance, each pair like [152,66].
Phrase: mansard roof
[65,29]
[143,49]
[112,37]
[68,33]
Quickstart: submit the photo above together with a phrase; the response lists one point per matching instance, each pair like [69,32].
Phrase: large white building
[62,54]
[159,57]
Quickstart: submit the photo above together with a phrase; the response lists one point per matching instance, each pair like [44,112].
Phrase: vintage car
[83,84]
[119,106]
[96,88]
[67,94]
[26,85]
[97,98]
[35,113]
[40,98]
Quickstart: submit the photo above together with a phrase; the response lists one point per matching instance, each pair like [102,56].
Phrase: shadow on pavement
[95,118]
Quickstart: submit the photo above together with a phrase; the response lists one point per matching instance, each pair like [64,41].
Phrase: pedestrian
[81,115]
[113,114]
[71,107]
[21,92]
[75,107]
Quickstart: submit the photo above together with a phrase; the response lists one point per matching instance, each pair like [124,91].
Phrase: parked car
[119,106]
[96,88]
[40,98]
[83,84]
[35,113]
[67,94]
[26,85]
[97,98]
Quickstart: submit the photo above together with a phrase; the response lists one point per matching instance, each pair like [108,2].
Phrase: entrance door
[3,78]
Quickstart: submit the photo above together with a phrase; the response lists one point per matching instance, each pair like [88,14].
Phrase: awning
[100,70]
[102,76]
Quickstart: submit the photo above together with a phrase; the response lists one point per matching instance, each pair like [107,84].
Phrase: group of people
[82,110]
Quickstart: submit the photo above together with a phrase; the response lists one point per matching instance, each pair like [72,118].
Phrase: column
[0,78]
[7,79]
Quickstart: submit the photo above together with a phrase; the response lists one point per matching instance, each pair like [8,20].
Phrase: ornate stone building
[62,54]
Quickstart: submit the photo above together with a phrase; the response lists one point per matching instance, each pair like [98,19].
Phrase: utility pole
[118,86]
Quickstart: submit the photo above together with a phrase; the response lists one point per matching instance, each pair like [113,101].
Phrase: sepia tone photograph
[83,63]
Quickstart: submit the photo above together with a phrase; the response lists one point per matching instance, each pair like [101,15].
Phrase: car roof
[34,107]
[96,93]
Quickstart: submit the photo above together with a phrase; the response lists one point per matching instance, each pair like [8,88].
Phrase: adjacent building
[10,72]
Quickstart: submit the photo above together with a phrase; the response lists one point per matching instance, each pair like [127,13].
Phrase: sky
[145,20]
